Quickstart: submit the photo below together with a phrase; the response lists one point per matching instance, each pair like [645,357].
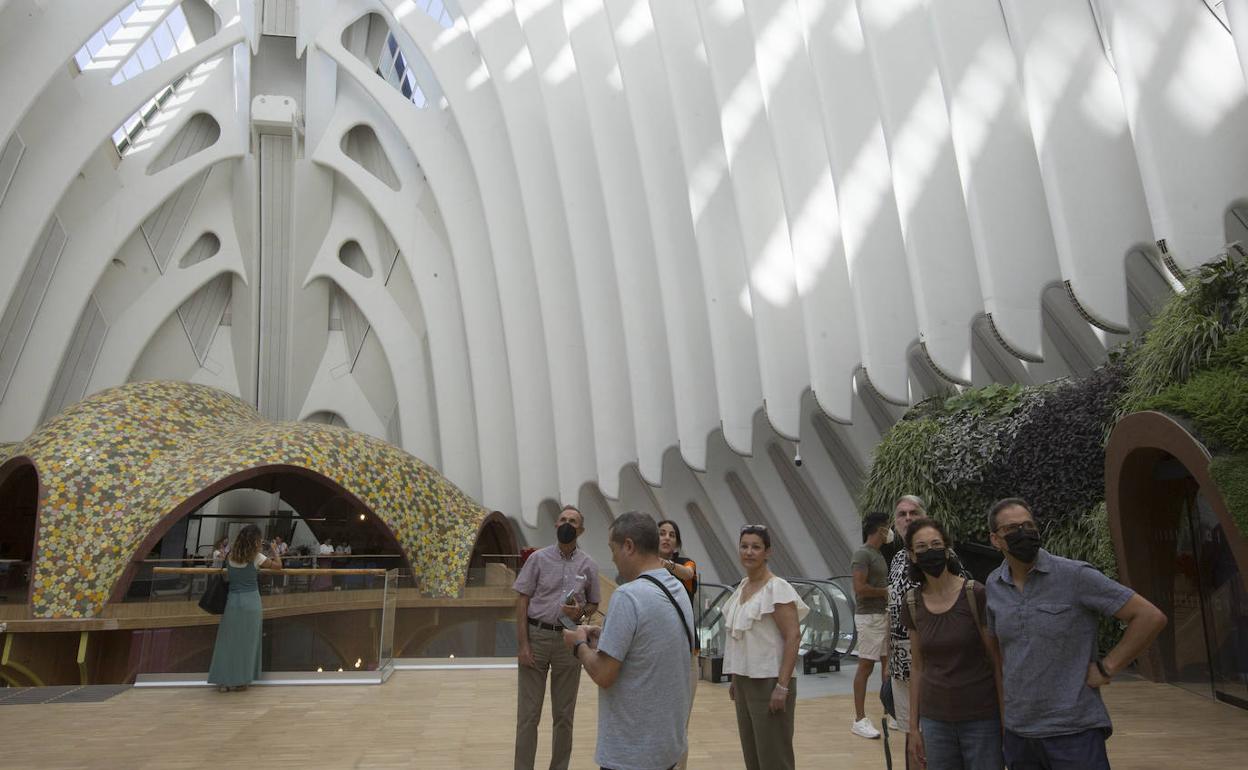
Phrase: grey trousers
[551,656]
[766,738]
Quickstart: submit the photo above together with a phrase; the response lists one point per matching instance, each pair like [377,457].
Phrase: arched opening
[19,506]
[494,560]
[1178,546]
[307,510]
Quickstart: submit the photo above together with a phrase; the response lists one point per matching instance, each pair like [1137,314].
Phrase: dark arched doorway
[1178,546]
[19,505]
[331,512]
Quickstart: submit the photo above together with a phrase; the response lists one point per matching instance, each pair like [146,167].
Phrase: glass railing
[338,573]
[316,621]
[828,627]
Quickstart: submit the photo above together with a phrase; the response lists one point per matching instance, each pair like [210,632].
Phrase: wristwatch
[576,648]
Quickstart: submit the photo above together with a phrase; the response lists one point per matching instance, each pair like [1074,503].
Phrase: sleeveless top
[245,578]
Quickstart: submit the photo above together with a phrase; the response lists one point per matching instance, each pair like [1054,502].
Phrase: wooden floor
[465,719]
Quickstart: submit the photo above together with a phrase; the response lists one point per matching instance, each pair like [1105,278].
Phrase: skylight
[394,68]
[138,39]
[438,10]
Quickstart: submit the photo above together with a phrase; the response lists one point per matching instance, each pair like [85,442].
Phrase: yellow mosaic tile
[112,466]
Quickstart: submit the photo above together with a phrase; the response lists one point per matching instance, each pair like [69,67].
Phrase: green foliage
[1043,443]
[1189,330]
[1230,471]
[1216,400]
[901,462]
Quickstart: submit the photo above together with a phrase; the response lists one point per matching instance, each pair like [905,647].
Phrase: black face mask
[933,561]
[1023,544]
[566,533]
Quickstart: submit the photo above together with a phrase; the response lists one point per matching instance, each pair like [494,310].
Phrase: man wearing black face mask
[1042,613]
[550,577]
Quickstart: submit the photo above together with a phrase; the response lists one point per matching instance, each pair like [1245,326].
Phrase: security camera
[797,457]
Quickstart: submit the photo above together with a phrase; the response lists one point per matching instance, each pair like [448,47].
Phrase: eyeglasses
[754,528]
[928,547]
[1007,529]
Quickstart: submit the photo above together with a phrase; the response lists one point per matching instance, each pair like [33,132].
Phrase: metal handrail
[292,571]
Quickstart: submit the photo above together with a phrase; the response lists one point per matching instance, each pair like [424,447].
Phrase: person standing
[236,655]
[900,580]
[219,552]
[685,570]
[1043,612]
[955,703]
[640,658]
[549,577]
[762,621]
[870,574]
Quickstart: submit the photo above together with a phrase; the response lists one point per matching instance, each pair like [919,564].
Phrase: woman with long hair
[955,694]
[682,568]
[236,655]
[762,620]
[686,571]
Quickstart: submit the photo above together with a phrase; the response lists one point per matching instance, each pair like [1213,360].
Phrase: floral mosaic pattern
[112,466]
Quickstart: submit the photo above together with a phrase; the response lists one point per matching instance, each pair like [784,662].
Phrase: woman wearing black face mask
[955,698]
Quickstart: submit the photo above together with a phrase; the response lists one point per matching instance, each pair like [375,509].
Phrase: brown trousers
[551,656]
[766,738]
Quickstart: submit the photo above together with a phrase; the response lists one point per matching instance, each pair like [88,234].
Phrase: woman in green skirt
[236,655]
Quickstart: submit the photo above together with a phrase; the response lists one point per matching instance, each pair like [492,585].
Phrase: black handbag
[215,595]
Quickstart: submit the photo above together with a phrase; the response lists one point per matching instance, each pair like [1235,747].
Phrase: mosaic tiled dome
[113,466]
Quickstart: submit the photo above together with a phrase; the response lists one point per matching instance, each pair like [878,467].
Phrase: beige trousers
[766,738]
[549,655]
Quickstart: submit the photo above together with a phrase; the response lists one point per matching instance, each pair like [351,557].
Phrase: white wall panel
[1187,118]
[628,225]
[771,287]
[676,264]
[1237,15]
[1087,162]
[996,156]
[28,292]
[71,380]
[716,230]
[939,251]
[821,277]
[870,226]
[477,113]
[201,314]
[596,290]
[10,156]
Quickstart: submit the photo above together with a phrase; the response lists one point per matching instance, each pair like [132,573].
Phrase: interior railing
[828,627]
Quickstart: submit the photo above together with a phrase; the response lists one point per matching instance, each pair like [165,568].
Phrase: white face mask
[891,536]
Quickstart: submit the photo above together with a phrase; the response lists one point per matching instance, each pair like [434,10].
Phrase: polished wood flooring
[465,719]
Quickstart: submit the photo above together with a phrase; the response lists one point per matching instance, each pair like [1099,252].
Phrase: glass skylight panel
[395,70]
[441,11]
[138,39]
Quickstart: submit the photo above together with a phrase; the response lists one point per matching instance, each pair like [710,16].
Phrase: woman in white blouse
[761,620]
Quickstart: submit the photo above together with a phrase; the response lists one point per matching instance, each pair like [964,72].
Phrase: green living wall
[1046,443]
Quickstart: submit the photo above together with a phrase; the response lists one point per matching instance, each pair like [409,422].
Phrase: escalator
[827,630]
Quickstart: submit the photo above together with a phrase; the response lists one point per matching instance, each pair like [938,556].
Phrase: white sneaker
[864,729]
[892,723]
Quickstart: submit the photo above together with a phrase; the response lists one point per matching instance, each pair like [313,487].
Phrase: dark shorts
[1077,751]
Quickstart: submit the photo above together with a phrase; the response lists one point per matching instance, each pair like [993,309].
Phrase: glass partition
[316,620]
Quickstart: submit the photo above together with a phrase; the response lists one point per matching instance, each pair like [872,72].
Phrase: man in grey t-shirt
[640,658]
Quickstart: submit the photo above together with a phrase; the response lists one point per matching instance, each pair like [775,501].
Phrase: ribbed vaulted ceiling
[626,253]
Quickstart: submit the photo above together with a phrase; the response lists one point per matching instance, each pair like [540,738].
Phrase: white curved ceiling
[620,252]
